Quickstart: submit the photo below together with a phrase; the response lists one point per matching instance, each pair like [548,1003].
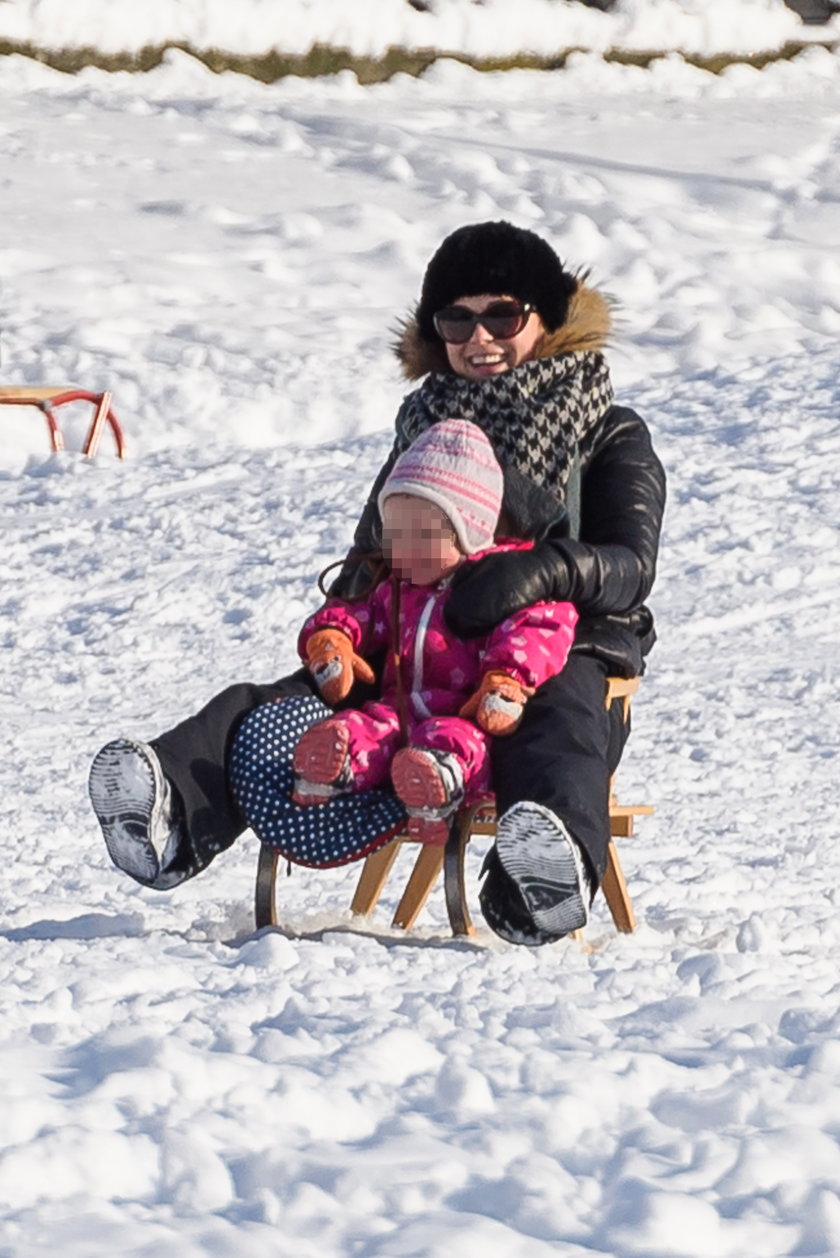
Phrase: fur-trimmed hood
[587,327]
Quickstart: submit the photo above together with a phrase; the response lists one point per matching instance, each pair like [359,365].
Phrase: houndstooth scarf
[536,415]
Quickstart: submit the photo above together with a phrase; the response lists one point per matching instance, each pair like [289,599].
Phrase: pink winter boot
[321,763]
[431,785]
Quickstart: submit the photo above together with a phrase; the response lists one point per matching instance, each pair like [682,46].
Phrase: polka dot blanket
[344,829]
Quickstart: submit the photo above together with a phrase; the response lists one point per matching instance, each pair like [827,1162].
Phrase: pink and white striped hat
[453,465]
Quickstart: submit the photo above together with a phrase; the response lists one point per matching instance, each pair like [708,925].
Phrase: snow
[230,260]
[481,28]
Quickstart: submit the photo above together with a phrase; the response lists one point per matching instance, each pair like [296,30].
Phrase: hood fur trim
[587,327]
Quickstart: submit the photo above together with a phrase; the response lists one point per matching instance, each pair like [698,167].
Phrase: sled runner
[477,820]
[49,400]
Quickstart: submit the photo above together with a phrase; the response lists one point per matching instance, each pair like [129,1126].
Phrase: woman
[505,337]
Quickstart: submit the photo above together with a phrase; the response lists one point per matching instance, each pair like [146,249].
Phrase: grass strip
[324,59]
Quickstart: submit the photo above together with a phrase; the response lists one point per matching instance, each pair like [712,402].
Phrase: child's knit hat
[453,465]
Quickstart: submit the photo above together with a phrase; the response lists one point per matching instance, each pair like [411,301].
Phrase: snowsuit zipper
[420,709]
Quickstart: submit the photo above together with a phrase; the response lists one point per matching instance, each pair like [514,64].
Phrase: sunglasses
[502,319]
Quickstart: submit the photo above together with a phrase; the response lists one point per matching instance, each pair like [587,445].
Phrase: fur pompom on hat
[453,465]
[495,258]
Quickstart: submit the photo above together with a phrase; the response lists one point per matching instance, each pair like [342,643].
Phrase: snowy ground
[229,259]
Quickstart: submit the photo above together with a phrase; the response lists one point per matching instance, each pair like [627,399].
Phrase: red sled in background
[48,402]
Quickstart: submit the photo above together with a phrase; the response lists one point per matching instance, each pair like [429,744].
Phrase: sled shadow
[85,926]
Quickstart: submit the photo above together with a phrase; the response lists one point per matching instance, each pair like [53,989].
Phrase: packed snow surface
[230,260]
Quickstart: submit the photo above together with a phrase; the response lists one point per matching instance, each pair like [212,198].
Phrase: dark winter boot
[537,887]
[135,809]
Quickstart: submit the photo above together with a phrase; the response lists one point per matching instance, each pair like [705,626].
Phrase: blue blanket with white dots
[344,829]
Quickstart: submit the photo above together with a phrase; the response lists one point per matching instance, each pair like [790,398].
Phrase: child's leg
[446,763]
[350,751]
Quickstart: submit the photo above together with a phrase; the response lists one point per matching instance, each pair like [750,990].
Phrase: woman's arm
[611,567]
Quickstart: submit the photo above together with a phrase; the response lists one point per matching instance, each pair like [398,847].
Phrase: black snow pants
[564,753]
[195,755]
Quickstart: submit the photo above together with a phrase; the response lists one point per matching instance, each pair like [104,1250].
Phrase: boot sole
[125,788]
[545,866]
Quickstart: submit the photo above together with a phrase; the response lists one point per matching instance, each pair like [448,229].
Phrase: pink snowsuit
[438,672]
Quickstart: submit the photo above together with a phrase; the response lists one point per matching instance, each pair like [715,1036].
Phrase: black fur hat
[495,258]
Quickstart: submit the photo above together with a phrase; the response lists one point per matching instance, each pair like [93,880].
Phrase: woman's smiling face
[483,356]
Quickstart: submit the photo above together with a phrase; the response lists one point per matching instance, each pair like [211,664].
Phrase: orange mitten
[497,704]
[334,664]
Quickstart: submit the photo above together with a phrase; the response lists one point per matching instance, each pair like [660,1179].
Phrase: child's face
[418,539]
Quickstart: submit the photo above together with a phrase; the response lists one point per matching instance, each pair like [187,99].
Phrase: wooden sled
[451,859]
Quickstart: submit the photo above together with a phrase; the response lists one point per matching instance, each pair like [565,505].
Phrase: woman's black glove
[486,592]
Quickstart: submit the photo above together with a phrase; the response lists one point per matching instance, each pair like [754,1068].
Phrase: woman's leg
[551,779]
[194,757]
[165,807]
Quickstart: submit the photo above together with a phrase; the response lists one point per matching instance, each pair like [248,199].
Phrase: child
[440,507]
